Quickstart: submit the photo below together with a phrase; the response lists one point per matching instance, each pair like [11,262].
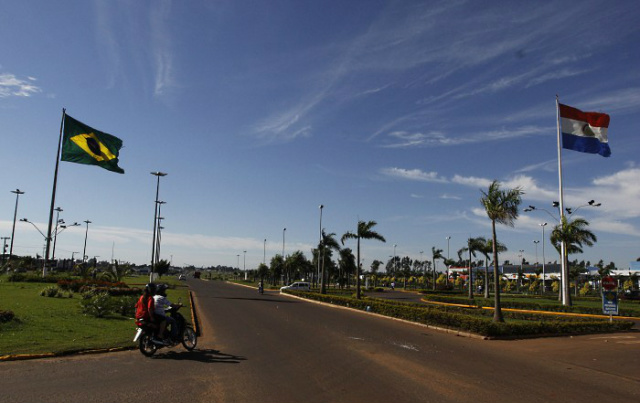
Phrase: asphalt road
[273,348]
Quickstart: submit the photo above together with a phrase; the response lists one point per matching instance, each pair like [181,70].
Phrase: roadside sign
[610,302]
[609,283]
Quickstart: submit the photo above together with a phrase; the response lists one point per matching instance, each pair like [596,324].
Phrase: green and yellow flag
[84,145]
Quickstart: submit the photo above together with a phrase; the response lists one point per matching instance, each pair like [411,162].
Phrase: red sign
[609,283]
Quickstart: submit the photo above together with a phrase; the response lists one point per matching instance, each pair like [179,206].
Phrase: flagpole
[563,246]
[53,197]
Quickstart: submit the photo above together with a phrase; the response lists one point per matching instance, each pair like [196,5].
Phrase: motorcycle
[146,330]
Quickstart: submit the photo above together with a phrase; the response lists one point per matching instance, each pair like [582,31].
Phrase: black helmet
[151,288]
[161,288]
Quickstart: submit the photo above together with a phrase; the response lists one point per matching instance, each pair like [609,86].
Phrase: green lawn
[54,325]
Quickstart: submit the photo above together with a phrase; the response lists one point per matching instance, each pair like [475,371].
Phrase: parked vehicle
[297,286]
[145,331]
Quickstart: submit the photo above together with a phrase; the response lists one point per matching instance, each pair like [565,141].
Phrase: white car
[297,286]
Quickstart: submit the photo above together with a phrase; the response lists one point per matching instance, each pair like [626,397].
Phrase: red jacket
[145,310]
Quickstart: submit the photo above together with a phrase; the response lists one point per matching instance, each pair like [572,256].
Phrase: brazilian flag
[84,145]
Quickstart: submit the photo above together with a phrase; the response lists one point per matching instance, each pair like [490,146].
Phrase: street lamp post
[564,294]
[244,264]
[55,233]
[63,227]
[159,231]
[86,233]
[536,243]
[320,248]
[18,192]
[264,252]
[544,289]
[447,268]
[158,175]
[283,260]
[395,264]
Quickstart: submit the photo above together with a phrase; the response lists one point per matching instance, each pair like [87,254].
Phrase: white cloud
[10,85]
[413,174]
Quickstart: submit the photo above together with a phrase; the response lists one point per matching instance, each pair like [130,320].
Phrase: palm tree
[328,242]
[573,233]
[435,254]
[501,207]
[364,232]
[473,245]
[486,250]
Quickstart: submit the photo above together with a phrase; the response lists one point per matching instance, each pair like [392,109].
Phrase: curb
[437,328]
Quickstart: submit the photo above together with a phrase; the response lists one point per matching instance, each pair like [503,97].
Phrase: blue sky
[398,112]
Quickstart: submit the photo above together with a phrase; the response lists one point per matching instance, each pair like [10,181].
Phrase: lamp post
[18,192]
[264,252]
[158,175]
[564,294]
[536,243]
[395,263]
[544,289]
[319,248]
[244,263]
[86,233]
[159,232]
[55,233]
[283,260]
[63,227]
[448,239]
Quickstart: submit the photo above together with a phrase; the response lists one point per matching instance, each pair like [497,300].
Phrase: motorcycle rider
[145,307]
[162,303]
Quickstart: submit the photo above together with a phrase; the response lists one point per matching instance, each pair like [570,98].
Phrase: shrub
[125,305]
[6,316]
[97,305]
[53,291]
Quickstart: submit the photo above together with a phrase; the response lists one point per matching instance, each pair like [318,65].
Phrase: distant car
[297,286]
[182,277]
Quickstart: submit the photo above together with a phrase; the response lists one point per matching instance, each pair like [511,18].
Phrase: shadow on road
[205,355]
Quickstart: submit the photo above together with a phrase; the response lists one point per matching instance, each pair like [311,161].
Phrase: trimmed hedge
[473,321]
[543,305]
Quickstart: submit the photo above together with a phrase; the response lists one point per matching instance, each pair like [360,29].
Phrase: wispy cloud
[161,47]
[403,139]
[12,86]
[413,174]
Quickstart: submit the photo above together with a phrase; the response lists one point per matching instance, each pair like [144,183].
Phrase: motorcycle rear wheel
[189,339]
[146,345]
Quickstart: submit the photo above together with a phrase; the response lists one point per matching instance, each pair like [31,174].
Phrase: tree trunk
[497,312]
[358,272]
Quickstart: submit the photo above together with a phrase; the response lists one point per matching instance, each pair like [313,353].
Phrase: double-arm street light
[62,227]
[158,175]
[563,246]
[84,250]
[17,192]
[544,224]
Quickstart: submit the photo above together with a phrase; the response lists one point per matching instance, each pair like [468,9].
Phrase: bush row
[76,285]
[543,305]
[37,278]
[478,323]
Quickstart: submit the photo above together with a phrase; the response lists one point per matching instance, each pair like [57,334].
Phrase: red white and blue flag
[584,131]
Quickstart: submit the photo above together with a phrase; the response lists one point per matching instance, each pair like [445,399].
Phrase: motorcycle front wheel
[146,345]
[189,339]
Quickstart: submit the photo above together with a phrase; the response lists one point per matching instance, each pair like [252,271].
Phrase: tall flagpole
[53,198]
[563,246]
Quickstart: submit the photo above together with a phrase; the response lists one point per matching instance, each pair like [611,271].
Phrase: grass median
[59,325]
